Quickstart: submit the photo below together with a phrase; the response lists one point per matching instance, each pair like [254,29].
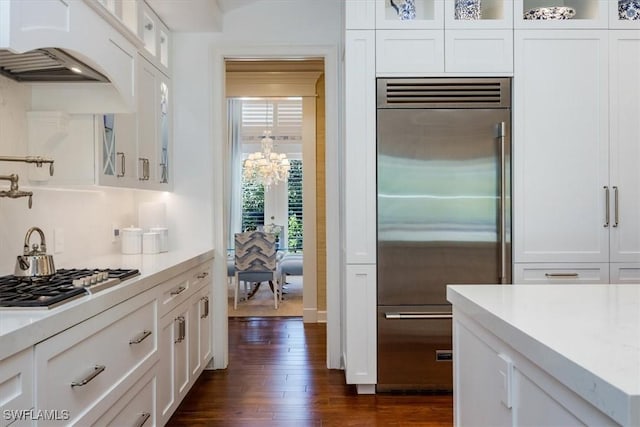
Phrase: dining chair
[255,261]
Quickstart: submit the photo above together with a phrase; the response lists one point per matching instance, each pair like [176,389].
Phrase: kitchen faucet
[13,191]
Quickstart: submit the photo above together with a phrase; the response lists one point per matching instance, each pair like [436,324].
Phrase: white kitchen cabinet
[409,52]
[116,144]
[154,127]
[185,336]
[588,14]
[360,14]
[360,326]
[156,38]
[480,51]
[86,368]
[360,147]
[576,193]
[560,146]
[16,389]
[173,370]
[200,324]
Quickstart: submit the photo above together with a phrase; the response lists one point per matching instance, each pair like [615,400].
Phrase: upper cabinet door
[560,147]
[409,14]
[567,14]
[478,14]
[624,130]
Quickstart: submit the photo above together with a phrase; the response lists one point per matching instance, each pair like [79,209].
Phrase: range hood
[46,65]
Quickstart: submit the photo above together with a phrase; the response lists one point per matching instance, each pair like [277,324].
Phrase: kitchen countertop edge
[154,269]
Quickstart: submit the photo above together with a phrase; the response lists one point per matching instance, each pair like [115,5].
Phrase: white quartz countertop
[586,336]
[21,328]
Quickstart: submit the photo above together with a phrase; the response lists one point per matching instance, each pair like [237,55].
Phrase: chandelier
[265,166]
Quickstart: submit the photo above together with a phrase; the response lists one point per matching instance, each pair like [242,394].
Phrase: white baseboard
[310,315]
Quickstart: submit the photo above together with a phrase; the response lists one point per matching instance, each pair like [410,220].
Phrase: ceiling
[195,15]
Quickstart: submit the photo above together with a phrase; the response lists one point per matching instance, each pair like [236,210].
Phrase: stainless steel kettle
[35,262]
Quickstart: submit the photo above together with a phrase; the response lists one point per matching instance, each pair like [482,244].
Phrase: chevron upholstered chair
[255,261]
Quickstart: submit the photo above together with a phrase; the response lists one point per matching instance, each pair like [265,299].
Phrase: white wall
[83,215]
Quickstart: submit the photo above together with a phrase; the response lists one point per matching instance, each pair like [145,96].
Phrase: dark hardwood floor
[277,376]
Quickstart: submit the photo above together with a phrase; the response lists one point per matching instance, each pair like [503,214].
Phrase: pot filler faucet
[14,192]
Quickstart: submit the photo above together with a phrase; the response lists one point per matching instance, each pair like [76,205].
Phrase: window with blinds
[294,199]
[282,116]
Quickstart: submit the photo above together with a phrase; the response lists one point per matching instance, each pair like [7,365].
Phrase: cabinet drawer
[180,288]
[175,291]
[78,368]
[625,273]
[560,273]
[136,407]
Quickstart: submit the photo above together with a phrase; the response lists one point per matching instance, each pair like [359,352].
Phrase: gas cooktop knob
[78,283]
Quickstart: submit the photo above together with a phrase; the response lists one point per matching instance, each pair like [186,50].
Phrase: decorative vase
[406,9]
[467,9]
[629,10]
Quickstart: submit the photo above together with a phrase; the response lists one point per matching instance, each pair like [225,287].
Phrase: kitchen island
[546,354]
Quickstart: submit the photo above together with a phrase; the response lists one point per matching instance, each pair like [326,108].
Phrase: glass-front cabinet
[561,14]
[478,14]
[624,14]
[409,14]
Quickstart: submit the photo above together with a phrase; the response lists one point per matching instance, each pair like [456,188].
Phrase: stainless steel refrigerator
[443,201]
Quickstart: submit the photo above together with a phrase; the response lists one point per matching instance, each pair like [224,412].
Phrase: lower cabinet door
[173,376]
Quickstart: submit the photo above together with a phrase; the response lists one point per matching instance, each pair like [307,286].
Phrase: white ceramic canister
[150,243]
[131,240]
[164,237]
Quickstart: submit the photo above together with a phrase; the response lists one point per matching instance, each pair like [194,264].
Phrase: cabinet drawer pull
[182,330]
[141,337]
[205,313]
[122,164]
[142,419]
[178,290]
[202,275]
[413,316]
[97,370]
[565,275]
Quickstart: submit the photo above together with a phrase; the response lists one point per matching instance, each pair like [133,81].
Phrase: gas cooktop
[64,286]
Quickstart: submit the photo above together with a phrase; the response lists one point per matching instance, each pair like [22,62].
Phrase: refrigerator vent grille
[443,93]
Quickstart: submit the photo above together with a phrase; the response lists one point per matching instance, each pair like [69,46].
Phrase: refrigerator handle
[503,204]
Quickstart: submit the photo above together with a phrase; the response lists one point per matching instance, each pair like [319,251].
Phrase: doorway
[282,101]
[332,180]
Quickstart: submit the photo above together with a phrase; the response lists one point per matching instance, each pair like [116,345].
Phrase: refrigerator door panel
[439,188]
[414,348]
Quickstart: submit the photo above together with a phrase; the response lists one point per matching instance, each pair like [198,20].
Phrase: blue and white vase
[467,9]
[406,9]
[629,10]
